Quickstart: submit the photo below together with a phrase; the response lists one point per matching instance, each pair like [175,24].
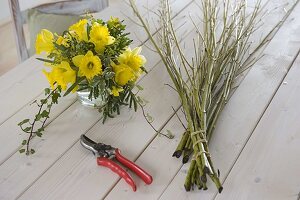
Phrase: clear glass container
[83,97]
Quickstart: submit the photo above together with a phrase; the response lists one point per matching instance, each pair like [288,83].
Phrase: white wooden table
[256,144]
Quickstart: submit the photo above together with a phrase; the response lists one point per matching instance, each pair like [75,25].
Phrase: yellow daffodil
[62,41]
[61,74]
[100,37]
[88,64]
[44,42]
[116,91]
[133,59]
[50,78]
[79,30]
[123,74]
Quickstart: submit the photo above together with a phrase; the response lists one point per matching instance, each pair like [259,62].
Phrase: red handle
[117,169]
[147,178]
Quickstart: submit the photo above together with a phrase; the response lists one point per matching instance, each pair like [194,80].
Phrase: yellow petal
[111,40]
[77,60]
[137,50]
[44,42]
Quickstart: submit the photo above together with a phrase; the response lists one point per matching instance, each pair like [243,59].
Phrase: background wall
[4,11]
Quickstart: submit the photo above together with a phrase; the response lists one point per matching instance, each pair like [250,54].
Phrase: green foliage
[40,118]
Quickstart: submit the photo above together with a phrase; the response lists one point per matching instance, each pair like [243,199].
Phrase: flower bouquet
[92,58]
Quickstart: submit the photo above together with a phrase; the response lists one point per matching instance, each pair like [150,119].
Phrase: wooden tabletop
[256,145]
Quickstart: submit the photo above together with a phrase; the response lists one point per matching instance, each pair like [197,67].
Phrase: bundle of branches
[205,81]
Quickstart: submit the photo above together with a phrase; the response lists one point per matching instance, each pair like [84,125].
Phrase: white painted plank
[62,135]
[25,82]
[11,133]
[268,167]
[244,109]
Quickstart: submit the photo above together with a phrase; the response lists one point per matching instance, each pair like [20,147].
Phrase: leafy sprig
[29,126]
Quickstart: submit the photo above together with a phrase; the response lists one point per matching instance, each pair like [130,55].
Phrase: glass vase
[83,97]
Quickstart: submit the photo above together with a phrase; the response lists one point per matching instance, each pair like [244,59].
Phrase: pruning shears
[105,155]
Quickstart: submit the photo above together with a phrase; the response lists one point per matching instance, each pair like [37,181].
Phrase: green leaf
[47,91]
[38,117]
[45,60]
[43,101]
[134,104]
[27,129]
[41,129]
[170,134]
[24,142]
[109,75]
[70,89]
[39,134]
[150,119]
[23,122]
[139,87]
[55,97]
[45,114]
[22,150]
[142,101]
[32,151]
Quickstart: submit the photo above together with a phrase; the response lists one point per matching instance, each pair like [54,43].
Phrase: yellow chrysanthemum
[100,37]
[61,74]
[44,42]
[116,91]
[133,59]
[79,30]
[123,74]
[88,64]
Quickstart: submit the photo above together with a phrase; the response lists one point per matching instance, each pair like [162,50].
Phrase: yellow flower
[61,74]
[62,41]
[79,30]
[88,64]
[44,42]
[133,59]
[50,77]
[116,90]
[100,37]
[123,74]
